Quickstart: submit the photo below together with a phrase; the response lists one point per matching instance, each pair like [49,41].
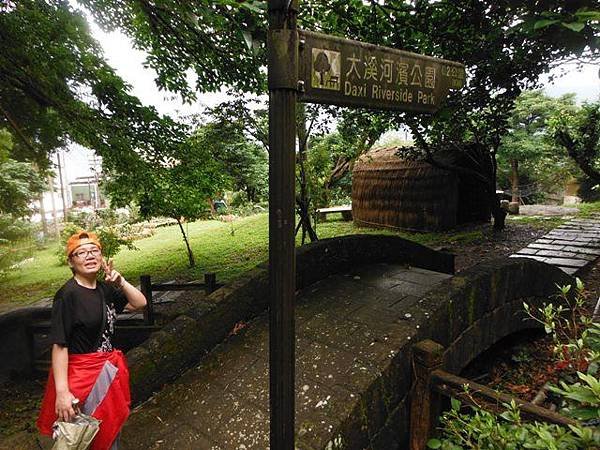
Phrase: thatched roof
[388,191]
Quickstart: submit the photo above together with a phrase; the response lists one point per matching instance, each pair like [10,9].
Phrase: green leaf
[455,404]
[574,26]
[544,23]
[434,443]
[588,15]
[584,413]
[257,7]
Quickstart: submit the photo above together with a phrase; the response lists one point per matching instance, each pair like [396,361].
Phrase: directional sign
[343,72]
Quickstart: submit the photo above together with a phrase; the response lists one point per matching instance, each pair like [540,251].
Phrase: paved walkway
[347,326]
[571,247]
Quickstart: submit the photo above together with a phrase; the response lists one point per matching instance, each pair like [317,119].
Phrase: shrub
[577,349]
[479,429]
[111,238]
[16,243]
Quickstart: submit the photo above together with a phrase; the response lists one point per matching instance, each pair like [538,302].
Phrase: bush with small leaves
[479,429]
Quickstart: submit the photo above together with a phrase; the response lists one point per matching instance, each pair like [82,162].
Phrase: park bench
[346,211]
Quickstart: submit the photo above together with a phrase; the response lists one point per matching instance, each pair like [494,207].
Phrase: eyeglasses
[84,253]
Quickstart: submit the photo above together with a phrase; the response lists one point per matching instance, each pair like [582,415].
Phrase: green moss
[546,223]
[494,289]
[364,416]
[450,315]
[386,396]
[142,368]
[458,282]
[471,309]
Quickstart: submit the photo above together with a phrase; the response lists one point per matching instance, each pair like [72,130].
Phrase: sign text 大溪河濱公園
[349,73]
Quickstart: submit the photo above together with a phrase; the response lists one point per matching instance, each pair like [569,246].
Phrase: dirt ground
[495,244]
[20,399]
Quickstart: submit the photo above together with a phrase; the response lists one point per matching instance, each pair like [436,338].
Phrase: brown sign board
[344,72]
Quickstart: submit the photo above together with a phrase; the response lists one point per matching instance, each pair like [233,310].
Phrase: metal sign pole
[283,84]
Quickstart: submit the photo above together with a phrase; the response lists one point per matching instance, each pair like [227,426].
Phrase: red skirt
[83,372]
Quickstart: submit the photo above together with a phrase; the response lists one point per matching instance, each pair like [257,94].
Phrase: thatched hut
[388,191]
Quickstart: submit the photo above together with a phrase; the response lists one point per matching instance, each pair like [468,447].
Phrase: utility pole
[62,186]
[53,203]
[282,48]
[94,163]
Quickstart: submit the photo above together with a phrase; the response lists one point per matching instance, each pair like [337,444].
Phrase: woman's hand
[64,406]
[111,276]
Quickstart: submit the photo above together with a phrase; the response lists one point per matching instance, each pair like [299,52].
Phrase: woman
[84,364]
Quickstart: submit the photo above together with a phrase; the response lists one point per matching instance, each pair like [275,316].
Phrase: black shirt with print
[77,316]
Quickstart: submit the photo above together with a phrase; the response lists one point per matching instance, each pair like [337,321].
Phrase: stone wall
[466,314]
[15,341]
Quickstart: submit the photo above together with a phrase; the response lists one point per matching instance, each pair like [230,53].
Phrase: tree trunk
[305,223]
[514,166]
[499,215]
[303,199]
[43,215]
[187,244]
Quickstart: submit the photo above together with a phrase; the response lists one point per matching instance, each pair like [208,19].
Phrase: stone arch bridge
[363,302]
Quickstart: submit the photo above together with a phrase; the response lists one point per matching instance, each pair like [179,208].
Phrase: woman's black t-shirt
[77,316]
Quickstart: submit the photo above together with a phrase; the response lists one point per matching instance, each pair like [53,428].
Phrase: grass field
[228,249]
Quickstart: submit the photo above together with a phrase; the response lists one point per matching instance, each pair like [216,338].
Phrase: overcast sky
[128,63]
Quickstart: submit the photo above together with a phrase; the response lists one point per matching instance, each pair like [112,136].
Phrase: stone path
[571,247]
[547,210]
[348,327]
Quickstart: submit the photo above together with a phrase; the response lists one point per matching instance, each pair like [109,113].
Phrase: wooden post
[210,280]
[282,49]
[425,404]
[146,288]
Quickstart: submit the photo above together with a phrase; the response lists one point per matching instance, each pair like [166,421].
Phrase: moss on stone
[471,306]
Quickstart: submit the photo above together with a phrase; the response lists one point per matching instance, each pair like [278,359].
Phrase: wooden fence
[147,287]
[432,383]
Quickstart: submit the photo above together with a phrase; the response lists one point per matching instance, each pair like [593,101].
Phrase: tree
[56,87]
[19,182]
[235,121]
[359,130]
[527,141]
[204,36]
[579,133]
[505,45]
[244,162]
[236,117]
[179,189]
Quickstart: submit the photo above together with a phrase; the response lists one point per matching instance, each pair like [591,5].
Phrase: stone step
[558,242]
[559,262]
[557,254]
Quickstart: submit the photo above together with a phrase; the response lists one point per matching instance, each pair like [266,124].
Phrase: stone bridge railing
[467,314]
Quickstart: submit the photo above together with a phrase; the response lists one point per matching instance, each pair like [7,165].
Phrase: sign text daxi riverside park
[350,73]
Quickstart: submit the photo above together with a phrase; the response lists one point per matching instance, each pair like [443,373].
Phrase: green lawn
[587,209]
[163,255]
